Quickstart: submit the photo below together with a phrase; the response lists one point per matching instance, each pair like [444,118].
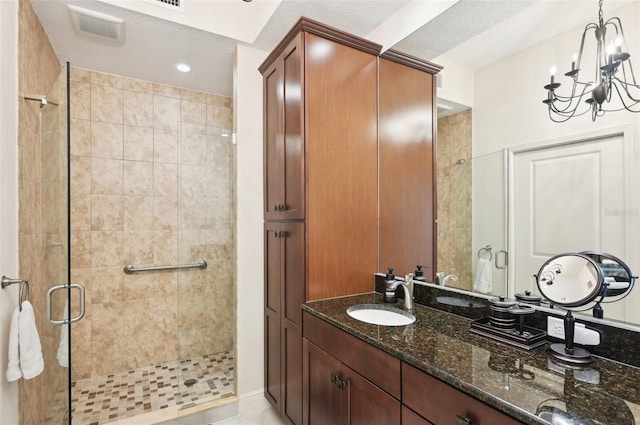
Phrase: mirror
[570,280]
[503,119]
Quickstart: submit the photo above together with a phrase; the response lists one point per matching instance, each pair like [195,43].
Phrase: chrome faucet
[442,277]
[407,286]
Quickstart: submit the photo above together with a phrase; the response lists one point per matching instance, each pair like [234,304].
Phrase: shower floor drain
[190,382]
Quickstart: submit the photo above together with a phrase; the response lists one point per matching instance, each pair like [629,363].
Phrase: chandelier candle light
[614,87]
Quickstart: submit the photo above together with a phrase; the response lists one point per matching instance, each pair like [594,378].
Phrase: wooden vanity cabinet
[347,381]
[439,403]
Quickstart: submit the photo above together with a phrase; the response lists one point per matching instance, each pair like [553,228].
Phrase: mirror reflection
[573,181]
[570,280]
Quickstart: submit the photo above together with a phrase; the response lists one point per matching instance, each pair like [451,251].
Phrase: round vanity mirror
[618,279]
[570,280]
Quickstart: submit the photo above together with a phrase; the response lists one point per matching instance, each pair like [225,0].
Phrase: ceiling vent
[171,4]
[96,24]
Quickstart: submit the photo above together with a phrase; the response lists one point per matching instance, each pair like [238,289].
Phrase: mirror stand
[567,352]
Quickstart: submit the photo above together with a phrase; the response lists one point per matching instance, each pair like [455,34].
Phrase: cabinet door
[292,297]
[409,417]
[323,400]
[406,172]
[368,404]
[272,311]
[283,136]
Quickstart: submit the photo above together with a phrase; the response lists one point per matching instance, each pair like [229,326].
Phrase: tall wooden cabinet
[320,160]
[406,139]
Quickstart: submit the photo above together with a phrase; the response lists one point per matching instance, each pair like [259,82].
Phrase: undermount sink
[378,314]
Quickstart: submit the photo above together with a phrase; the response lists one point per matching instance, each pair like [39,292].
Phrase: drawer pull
[463,420]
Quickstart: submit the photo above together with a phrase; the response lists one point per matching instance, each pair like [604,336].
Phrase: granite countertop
[516,381]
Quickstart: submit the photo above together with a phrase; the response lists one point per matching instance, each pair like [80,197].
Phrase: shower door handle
[79,317]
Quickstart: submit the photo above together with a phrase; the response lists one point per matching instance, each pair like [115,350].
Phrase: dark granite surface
[515,381]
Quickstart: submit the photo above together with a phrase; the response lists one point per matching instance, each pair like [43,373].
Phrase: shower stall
[135,174]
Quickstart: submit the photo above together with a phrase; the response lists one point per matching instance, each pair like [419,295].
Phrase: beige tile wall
[42,208]
[454,196]
[152,184]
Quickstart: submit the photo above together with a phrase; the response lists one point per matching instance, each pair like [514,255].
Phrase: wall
[250,264]
[40,200]
[152,184]
[8,191]
[454,197]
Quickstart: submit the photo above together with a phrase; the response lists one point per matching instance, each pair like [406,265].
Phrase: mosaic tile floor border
[104,399]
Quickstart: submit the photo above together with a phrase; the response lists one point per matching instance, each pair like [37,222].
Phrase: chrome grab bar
[202,264]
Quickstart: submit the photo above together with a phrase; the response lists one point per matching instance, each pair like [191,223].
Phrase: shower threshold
[104,399]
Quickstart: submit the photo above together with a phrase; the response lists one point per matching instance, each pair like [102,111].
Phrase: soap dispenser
[419,274]
[389,281]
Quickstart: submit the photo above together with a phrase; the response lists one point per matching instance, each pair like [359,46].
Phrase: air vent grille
[172,3]
[97,24]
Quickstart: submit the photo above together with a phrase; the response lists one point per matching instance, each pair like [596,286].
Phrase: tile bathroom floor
[104,399]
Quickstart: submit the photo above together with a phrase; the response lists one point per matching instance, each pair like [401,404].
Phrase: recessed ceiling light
[183,67]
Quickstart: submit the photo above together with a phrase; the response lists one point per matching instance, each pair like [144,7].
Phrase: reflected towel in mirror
[483,280]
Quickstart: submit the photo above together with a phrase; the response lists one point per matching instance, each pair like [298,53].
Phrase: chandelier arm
[626,89]
[620,32]
[624,104]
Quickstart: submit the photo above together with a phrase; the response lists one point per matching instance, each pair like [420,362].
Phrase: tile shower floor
[103,399]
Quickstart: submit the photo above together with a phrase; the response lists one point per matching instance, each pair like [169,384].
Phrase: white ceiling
[204,35]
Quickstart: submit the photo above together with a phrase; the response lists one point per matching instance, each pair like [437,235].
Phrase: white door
[569,198]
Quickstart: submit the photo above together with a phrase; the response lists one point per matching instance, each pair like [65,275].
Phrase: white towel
[13,369]
[31,360]
[63,346]
[483,280]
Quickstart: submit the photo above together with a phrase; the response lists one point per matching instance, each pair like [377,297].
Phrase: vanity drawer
[377,366]
[442,404]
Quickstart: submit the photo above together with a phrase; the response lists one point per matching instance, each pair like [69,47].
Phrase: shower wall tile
[29,207]
[138,178]
[153,186]
[106,176]
[165,145]
[81,101]
[79,75]
[165,213]
[107,140]
[193,96]
[167,91]
[107,104]
[138,212]
[138,85]
[138,108]
[107,212]
[194,112]
[138,143]
[80,211]
[165,180]
[81,249]
[166,113]
[108,80]
[29,155]
[107,285]
[138,248]
[106,248]
[80,137]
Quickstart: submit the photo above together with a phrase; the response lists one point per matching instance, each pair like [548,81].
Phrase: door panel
[548,222]
[368,404]
[324,401]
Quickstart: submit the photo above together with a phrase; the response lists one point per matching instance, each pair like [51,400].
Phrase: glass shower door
[53,257]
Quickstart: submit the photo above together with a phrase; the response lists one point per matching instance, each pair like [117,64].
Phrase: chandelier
[614,87]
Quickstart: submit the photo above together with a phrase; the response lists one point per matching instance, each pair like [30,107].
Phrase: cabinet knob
[463,420]
[341,384]
[334,378]
[279,207]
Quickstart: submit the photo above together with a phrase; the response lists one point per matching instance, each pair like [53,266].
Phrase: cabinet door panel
[442,404]
[368,404]
[292,367]
[272,360]
[293,284]
[406,168]
[293,184]
[273,266]
[323,400]
[273,141]
[409,417]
